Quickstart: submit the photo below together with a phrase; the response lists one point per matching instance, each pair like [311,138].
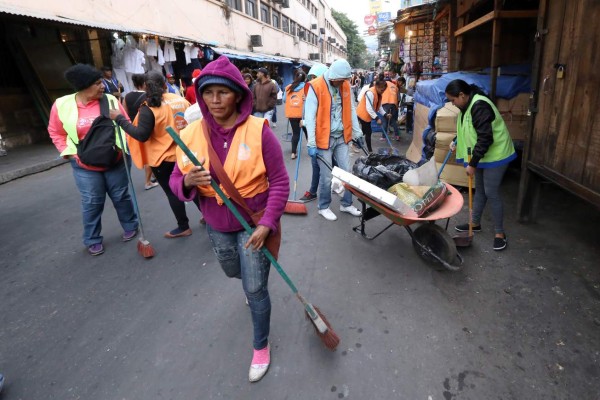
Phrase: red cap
[169,76]
[196,73]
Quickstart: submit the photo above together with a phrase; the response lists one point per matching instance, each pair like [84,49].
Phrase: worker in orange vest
[389,101]
[370,108]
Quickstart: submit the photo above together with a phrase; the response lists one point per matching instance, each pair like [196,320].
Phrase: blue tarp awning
[247,55]
[432,92]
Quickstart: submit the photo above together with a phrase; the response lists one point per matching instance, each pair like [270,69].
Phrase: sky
[356,11]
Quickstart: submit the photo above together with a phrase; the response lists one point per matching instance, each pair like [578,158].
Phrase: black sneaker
[308,196]
[500,243]
[465,228]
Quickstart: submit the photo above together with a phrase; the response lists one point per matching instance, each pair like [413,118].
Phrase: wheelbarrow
[431,242]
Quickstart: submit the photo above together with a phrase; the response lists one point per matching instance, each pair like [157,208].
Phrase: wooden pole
[495,50]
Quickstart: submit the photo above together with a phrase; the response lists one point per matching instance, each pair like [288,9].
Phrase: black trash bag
[382,170]
[429,144]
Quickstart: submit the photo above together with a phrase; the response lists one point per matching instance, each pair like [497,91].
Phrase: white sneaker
[328,214]
[351,210]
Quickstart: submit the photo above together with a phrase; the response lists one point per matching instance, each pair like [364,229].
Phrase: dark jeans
[162,173]
[393,121]
[93,187]
[252,267]
[295,122]
[487,182]
[367,131]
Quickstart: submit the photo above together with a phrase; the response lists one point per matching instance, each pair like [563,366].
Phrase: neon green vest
[500,152]
[68,114]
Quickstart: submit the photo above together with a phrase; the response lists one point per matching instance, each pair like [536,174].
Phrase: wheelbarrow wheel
[438,241]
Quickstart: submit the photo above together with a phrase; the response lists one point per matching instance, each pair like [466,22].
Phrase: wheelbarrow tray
[431,242]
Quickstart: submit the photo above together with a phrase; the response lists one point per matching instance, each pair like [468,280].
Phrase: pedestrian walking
[131,103]
[311,194]
[484,131]
[293,99]
[331,123]
[71,118]
[150,143]
[389,101]
[246,151]
[265,95]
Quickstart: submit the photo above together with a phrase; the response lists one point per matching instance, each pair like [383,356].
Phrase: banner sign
[374,6]
[369,19]
[384,17]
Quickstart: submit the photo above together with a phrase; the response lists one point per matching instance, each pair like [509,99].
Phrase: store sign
[369,19]
[374,6]
[384,16]
[372,30]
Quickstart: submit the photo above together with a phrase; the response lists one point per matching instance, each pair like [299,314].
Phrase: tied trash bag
[382,170]
[420,199]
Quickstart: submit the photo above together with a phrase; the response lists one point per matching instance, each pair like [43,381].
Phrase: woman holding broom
[150,144]
[71,118]
[293,98]
[247,153]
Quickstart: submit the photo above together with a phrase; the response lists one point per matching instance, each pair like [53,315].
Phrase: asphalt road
[517,324]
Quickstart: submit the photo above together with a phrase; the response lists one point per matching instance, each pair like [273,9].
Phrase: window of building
[251,8]
[276,17]
[293,28]
[265,13]
[285,24]
[235,4]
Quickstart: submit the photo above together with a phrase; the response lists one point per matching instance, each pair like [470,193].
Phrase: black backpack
[99,148]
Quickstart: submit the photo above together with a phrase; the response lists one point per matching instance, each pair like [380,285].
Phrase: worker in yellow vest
[370,108]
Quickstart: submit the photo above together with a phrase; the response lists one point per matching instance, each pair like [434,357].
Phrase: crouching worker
[233,145]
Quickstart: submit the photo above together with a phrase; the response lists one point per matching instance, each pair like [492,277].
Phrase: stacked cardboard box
[445,125]
[514,113]
[414,152]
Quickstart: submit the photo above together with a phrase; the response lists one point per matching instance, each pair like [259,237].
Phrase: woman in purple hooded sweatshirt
[253,160]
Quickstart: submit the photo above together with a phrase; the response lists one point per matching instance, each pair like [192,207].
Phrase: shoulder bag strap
[104,110]
[215,162]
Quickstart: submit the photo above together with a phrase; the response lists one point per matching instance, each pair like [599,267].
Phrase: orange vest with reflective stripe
[160,146]
[390,95]
[294,102]
[244,163]
[323,126]
[361,110]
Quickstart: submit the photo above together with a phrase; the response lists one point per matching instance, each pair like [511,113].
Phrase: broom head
[295,207]
[145,248]
[323,328]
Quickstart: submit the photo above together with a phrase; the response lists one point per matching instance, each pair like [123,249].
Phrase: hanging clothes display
[152,48]
[169,52]
[161,56]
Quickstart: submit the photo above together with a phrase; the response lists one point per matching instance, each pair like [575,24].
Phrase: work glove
[312,151]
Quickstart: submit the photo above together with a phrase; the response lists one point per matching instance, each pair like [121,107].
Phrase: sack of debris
[420,199]
[382,170]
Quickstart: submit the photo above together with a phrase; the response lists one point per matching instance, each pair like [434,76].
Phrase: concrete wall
[20,122]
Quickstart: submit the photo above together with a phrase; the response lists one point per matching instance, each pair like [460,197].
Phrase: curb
[33,169]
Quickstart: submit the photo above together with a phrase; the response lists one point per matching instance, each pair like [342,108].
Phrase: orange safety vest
[294,102]
[361,111]
[244,163]
[160,146]
[390,95]
[323,126]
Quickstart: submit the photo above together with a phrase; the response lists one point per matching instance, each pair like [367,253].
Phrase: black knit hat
[206,80]
[82,76]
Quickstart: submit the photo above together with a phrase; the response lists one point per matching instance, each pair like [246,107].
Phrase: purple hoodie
[274,199]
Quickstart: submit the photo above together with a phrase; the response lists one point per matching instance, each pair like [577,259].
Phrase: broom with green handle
[329,338]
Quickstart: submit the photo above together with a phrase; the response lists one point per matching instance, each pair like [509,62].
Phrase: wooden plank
[495,51]
[566,183]
[480,21]
[452,22]
[586,97]
[517,14]
[542,136]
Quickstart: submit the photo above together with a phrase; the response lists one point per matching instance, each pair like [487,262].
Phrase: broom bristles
[145,249]
[295,207]
[329,338]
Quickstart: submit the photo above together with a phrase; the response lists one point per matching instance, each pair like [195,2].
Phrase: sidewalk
[27,160]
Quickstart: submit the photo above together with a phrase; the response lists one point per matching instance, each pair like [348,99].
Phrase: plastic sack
[382,170]
[420,199]
[425,175]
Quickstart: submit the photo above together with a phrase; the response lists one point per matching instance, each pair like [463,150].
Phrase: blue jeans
[487,182]
[316,171]
[339,150]
[253,268]
[268,115]
[93,187]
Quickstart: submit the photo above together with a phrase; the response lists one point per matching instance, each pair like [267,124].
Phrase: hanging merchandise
[152,48]
[116,58]
[208,53]
[187,50]
[161,56]
[142,44]
[169,52]
[133,60]
[168,68]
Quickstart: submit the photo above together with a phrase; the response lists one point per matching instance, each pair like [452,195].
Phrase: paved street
[517,324]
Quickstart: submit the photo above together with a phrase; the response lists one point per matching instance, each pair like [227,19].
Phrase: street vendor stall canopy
[130,18]
[246,55]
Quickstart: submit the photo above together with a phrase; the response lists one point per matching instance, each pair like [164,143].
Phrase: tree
[356,45]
